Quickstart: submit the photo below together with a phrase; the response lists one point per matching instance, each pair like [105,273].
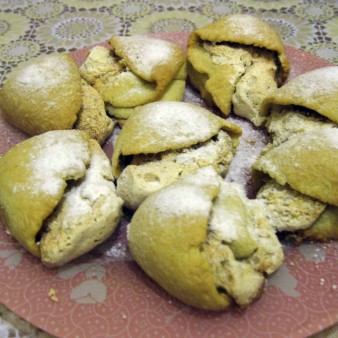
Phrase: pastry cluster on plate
[197,235]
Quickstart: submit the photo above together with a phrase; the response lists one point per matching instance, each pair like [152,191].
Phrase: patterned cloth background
[29,28]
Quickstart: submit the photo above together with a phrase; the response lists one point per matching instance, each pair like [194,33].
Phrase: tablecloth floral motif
[29,28]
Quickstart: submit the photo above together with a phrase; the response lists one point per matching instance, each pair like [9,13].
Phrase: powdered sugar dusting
[179,121]
[39,75]
[251,143]
[178,200]
[224,218]
[147,53]
[205,176]
[315,82]
[58,156]
[97,182]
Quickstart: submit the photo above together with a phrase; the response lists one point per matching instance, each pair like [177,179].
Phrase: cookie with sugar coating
[135,71]
[306,162]
[316,90]
[43,94]
[235,62]
[165,140]
[204,242]
[57,195]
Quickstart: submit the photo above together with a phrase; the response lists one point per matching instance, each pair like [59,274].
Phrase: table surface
[29,28]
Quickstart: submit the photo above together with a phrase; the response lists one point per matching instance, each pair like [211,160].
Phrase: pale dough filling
[148,173]
[253,72]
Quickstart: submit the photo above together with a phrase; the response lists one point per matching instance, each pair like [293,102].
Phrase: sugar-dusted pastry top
[42,94]
[163,126]
[39,176]
[151,59]
[204,242]
[316,90]
[307,162]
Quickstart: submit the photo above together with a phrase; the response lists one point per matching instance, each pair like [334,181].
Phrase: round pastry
[136,71]
[235,62]
[165,140]
[43,94]
[57,195]
[204,242]
[47,93]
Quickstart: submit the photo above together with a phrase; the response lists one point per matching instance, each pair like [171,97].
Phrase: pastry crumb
[52,295]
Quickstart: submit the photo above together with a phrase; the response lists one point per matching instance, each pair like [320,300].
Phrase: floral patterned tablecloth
[30,28]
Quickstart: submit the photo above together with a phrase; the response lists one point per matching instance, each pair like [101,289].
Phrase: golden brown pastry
[235,62]
[47,93]
[306,162]
[165,140]
[136,71]
[43,94]
[57,195]
[204,242]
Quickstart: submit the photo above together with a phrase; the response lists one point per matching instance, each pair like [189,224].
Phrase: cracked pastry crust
[302,122]
[204,242]
[136,71]
[166,140]
[92,117]
[306,162]
[43,94]
[315,90]
[58,185]
[237,61]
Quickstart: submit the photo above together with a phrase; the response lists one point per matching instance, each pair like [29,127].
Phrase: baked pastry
[92,117]
[305,103]
[135,71]
[43,94]
[306,163]
[302,122]
[204,242]
[324,228]
[235,62]
[165,140]
[47,93]
[57,195]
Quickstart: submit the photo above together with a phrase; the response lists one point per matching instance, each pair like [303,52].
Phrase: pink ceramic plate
[105,294]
